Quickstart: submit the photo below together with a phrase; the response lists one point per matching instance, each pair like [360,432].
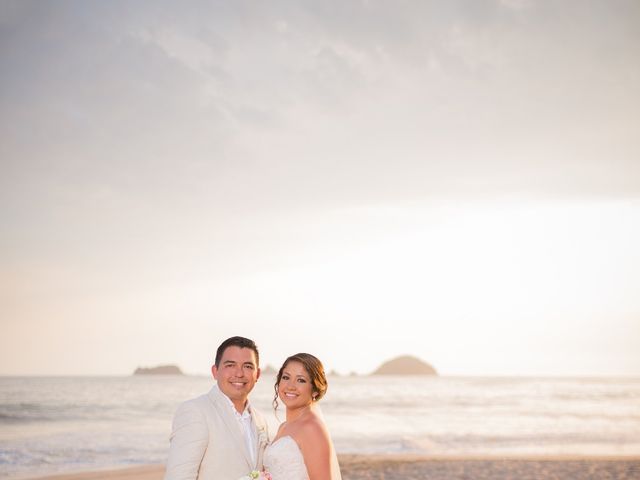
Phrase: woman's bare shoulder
[313,431]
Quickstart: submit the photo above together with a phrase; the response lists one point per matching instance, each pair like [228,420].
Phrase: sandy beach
[406,467]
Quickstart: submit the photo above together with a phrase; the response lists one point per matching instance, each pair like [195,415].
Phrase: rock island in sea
[159,370]
[405,365]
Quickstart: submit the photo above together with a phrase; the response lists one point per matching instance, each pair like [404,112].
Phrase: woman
[302,448]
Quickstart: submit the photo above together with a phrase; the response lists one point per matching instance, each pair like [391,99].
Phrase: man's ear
[214,371]
[258,373]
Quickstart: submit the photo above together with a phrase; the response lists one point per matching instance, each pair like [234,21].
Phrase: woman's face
[295,389]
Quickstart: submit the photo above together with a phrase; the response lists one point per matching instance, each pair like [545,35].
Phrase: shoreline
[450,467]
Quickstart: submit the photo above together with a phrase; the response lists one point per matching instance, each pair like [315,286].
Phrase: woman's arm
[316,451]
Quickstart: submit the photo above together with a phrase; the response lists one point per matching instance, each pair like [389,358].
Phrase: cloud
[152,147]
[239,108]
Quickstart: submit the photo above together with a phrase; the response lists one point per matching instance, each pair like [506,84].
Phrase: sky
[455,180]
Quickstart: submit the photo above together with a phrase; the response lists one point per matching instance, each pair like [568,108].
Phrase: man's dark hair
[237,342]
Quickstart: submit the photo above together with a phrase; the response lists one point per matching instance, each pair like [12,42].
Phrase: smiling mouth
[290,395]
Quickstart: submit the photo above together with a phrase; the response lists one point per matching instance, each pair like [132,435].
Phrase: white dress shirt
[245,422]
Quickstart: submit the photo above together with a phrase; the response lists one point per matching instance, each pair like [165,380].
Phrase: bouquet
[256,475]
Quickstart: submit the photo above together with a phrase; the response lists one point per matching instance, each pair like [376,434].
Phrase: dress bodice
[283,460]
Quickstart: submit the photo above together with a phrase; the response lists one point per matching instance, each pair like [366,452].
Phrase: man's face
[237,374]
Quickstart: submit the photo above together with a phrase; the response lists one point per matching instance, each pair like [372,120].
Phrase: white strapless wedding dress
[283,460]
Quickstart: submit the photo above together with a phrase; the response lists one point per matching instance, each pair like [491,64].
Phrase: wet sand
[405,467]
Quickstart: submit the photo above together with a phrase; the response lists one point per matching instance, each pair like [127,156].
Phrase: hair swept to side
[241,342]
[314,369]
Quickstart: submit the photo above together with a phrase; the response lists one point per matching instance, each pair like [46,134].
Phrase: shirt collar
[246,414]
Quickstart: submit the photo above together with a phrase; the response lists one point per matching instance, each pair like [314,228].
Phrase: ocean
[61,424]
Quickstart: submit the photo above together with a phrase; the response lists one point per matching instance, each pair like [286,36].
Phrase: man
[219,435]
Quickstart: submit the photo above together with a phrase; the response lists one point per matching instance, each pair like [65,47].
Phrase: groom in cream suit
[219,435]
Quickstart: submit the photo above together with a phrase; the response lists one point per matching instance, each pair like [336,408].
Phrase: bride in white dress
[302,448]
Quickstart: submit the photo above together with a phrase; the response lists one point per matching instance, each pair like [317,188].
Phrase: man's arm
[189,438]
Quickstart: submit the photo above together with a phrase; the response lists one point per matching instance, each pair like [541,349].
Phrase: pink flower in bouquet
[256,475]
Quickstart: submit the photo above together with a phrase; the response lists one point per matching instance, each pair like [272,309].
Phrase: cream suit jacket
[207,441]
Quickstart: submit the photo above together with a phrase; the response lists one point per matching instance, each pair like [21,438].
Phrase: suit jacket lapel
[262,437]
[221,404]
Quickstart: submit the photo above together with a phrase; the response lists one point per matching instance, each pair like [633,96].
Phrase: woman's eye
[285,377]
[302,380]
